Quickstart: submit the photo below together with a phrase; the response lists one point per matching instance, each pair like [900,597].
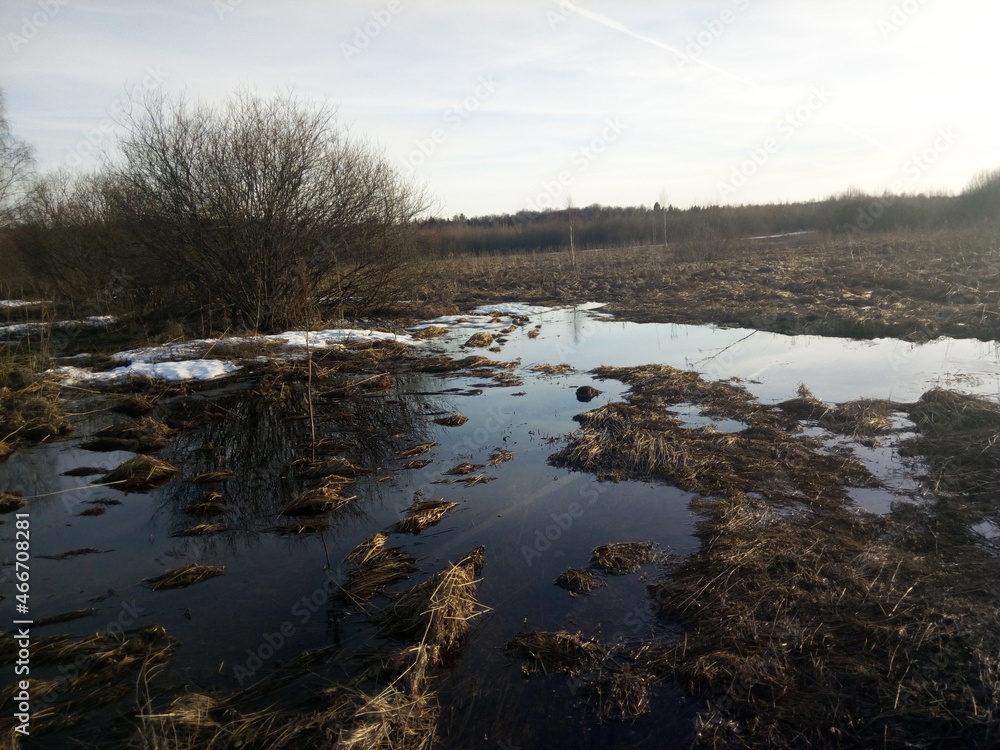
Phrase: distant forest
[599,226]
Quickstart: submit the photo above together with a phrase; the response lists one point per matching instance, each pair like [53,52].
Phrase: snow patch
[511,308]
[191,369]
[19,303]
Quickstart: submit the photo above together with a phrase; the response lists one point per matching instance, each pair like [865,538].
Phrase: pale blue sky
[524,103]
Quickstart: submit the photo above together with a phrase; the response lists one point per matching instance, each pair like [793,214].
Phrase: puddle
[534,520]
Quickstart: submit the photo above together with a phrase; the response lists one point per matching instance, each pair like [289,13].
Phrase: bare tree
[264,207]
[17,164]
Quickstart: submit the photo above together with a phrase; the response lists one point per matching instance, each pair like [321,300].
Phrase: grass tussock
[552,369]
[211,477]
[960,440]
[557,653]
[416,450]
[579,580]
[139,474]
[135,404]
[439,610]
[429,332]
[186,575]
[6,448]
[323,468]
[423,514]
[318,500]
[202,529]
[865,417]
[374,567]
[499,456]
[623,558]
[418,464]
[30,408]
[11,502]
[206,508]
[480,339]
[145,435]
[452,420]
[464,468]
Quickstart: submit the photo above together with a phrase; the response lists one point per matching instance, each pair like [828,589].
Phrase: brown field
[913,286]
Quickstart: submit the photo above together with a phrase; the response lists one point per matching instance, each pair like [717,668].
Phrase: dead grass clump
[11,502]
[480,339]
[211,477]
[463,468]
[958,439]
[317,501]
[374,567]
[469,481]
[533,333]
[620,559]
[6,448]
[185,576]
[863,417]
[297,529]
[139,474]
[579,581]
[147,435]
[416,450]
[352,386]
[641,441]
[328,467]
[33,411]
[206,508]
[565,653]
[618,695]
[552,369]
[437,611]
[135,404]
[422,515]
[418,464]
[452,420]
[499,456]
[202,529]
[429,332]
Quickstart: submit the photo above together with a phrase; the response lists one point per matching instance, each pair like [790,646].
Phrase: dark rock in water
[587,393]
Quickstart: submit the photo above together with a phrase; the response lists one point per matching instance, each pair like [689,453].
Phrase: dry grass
[960,438]
[429,332]
[552,369]
[803,632]
[423,514]
[206,508]
[499,456]
[139,474]
[452,420]
[579,580]
[566,653]
[98,670]
[623,558]
[437,611]
[374,567]
[863,417]
[469,481]
[416,450]
[186,575]
[202,529]
[297,529]
[212,477]
[11,502]
[321,469]
[31,410]
[480,338]
[418,464]
[319,500]
[146,435]
[464,468]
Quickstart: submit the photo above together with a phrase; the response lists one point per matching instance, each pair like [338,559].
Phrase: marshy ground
[376,546]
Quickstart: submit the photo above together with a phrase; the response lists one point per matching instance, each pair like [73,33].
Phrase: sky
[495,107]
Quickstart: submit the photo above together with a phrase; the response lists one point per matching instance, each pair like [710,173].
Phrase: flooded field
[272,625]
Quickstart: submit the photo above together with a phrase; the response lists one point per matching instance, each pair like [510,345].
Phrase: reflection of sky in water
[835,369]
